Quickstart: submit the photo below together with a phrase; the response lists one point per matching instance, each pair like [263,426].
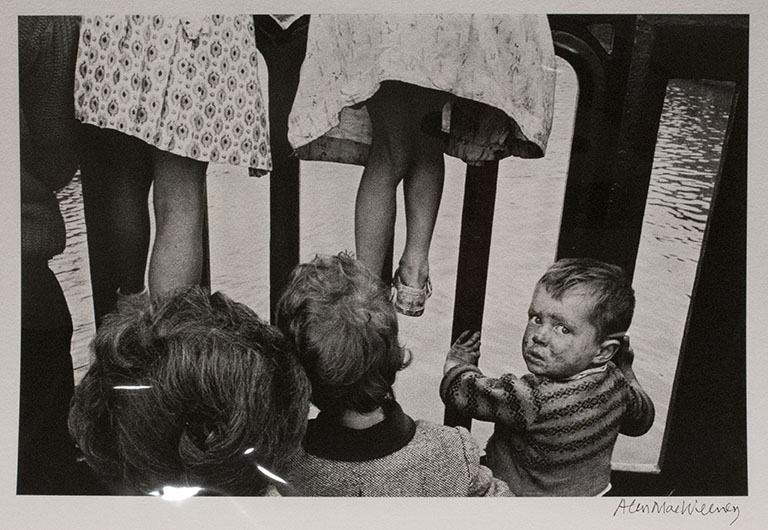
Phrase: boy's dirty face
[559,340]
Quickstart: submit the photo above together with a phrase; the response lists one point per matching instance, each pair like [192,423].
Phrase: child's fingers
[467,338]
[625,342]
[463,336]
[630,353]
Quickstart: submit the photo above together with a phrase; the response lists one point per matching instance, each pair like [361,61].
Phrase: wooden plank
[283,51]
[474,252]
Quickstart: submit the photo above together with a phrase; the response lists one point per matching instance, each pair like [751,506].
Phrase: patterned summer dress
[188,86]
[500,68]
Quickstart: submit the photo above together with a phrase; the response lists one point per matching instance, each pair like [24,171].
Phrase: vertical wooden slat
[704,450]
[283,51]
[205,273]
[104,283]
[474,254]
[595,219]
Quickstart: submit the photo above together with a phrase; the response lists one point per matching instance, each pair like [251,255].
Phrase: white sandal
[409,300]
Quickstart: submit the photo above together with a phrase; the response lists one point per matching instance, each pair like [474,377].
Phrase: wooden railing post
[283,50]
[594,193]
[474,255]
[704,451]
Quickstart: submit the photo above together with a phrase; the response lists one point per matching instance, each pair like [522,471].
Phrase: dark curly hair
[190,389]
[344,329]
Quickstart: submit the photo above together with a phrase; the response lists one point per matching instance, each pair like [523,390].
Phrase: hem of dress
[336,118]
[252,171]
[343,151]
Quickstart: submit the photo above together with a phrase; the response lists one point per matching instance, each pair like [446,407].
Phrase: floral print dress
[500,70]
[186,85]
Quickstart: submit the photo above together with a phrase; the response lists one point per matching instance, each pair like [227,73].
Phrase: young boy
[556,426]
[344,327]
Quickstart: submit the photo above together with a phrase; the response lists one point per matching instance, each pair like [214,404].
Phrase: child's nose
[539,337]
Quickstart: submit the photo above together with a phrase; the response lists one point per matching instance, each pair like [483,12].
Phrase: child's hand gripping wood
[466,350]
[624,357]
[640,419]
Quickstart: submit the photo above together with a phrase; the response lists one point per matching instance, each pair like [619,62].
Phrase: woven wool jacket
[398,457]
[552,438]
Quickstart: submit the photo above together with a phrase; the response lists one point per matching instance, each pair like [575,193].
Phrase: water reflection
[688,149]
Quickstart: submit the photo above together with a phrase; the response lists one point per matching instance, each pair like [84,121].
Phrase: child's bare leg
[179,199]
[423,190]
[387,164]
[423,187]
[400,150]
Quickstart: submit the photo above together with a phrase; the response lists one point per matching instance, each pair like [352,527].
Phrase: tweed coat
[398,457]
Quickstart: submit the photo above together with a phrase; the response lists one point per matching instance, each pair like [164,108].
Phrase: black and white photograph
[265,263]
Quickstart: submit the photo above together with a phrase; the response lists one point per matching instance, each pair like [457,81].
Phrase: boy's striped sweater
[551,438]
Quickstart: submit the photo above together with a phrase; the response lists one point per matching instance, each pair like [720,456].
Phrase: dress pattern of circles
[186,85]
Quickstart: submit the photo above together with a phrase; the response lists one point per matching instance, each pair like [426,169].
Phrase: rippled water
[529,202]
[687,156]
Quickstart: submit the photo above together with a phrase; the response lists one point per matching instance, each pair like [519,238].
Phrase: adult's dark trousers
[47,456]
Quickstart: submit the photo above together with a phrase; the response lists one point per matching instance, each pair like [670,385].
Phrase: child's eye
[536,319]
[563,329]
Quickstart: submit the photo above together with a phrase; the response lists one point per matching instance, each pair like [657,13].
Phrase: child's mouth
[532,356]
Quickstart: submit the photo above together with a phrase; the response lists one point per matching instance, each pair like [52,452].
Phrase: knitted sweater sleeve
[49,131]
[47,48]
[482,481]
[640,412]
[508,400]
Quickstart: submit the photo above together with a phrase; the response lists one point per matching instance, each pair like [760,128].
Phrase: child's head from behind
[345,332]
[577,305]
[193,390]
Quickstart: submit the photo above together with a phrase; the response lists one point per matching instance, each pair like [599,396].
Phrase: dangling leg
[401,150]
[423,187]
[179,199]
[387,165]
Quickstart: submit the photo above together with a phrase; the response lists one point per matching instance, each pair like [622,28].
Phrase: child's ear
[606,351]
